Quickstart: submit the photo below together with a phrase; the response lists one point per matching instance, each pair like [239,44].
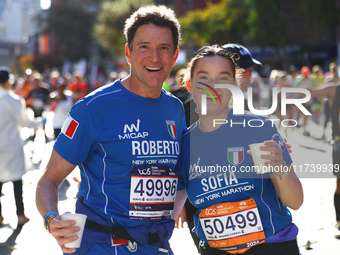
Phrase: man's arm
[181,197]
[56,171]
[325,92]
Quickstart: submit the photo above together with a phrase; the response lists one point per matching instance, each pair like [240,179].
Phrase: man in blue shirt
[125,138]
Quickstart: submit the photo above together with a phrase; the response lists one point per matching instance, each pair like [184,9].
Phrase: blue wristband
[47,215]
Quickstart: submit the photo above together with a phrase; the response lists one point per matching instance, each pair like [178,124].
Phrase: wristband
[49,216]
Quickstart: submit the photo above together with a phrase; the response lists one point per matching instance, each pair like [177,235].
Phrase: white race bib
[152,193]
[233,227]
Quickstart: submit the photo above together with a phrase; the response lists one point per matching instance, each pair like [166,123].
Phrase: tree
[111,20]
[243,21]
[217,23]
[72,29]
[248,22]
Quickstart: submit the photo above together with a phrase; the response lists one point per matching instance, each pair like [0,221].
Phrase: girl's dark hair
[209,51]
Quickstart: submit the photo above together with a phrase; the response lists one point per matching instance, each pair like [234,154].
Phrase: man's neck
[141,90]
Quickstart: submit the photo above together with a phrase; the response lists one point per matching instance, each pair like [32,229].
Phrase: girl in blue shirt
[240,211]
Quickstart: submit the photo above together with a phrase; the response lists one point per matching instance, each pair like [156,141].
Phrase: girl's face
[207,72]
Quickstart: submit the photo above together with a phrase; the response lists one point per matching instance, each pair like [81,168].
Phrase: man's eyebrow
[166,44]
[144,42]
[148,42]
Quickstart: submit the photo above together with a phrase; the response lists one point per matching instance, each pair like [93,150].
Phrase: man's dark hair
[156,15]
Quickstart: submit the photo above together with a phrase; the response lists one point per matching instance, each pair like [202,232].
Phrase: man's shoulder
[171,97]
[102,93]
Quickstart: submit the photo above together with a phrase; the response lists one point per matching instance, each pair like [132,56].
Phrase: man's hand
[59,229]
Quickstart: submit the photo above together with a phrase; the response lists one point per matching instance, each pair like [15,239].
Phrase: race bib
[152,193]
[233,227]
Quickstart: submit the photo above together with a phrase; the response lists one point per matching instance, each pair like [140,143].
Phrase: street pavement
[315,219]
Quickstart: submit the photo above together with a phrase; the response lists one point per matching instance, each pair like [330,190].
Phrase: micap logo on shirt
[132,131]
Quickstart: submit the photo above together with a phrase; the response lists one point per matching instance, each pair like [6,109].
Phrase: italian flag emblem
[70,127]
[235,155]
[171,128]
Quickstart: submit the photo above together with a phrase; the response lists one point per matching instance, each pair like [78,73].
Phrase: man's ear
[176,56]
[128,53]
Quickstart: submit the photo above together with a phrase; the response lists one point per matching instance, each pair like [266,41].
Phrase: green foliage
[111,20]
[242,21]
[267,26]
[72,27]
[214,24]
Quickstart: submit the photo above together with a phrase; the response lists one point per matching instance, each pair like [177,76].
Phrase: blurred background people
[53,80]
[38,98]
[78,86]
[60,103]
[305,81]
[12,157]
[317,107]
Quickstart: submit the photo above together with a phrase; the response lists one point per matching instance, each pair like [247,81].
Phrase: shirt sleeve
[78,136]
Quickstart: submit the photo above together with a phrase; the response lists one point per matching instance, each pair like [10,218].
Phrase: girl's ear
[188,84]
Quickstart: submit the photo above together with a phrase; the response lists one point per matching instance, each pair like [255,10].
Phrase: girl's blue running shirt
[114,136]
[215,168]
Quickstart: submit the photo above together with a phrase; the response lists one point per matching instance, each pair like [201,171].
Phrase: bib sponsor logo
[70,127]
[145,171]
[210,211]
[235,155]
[171,125]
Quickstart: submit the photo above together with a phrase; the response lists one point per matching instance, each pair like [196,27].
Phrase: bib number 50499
[246,222]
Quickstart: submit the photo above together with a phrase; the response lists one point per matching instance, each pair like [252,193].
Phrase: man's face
[152,57]
[244,78]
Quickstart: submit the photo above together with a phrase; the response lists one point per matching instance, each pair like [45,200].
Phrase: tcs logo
[145,171]
[210,211]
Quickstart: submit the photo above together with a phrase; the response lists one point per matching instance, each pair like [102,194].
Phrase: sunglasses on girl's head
[206,48]
[200,50]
